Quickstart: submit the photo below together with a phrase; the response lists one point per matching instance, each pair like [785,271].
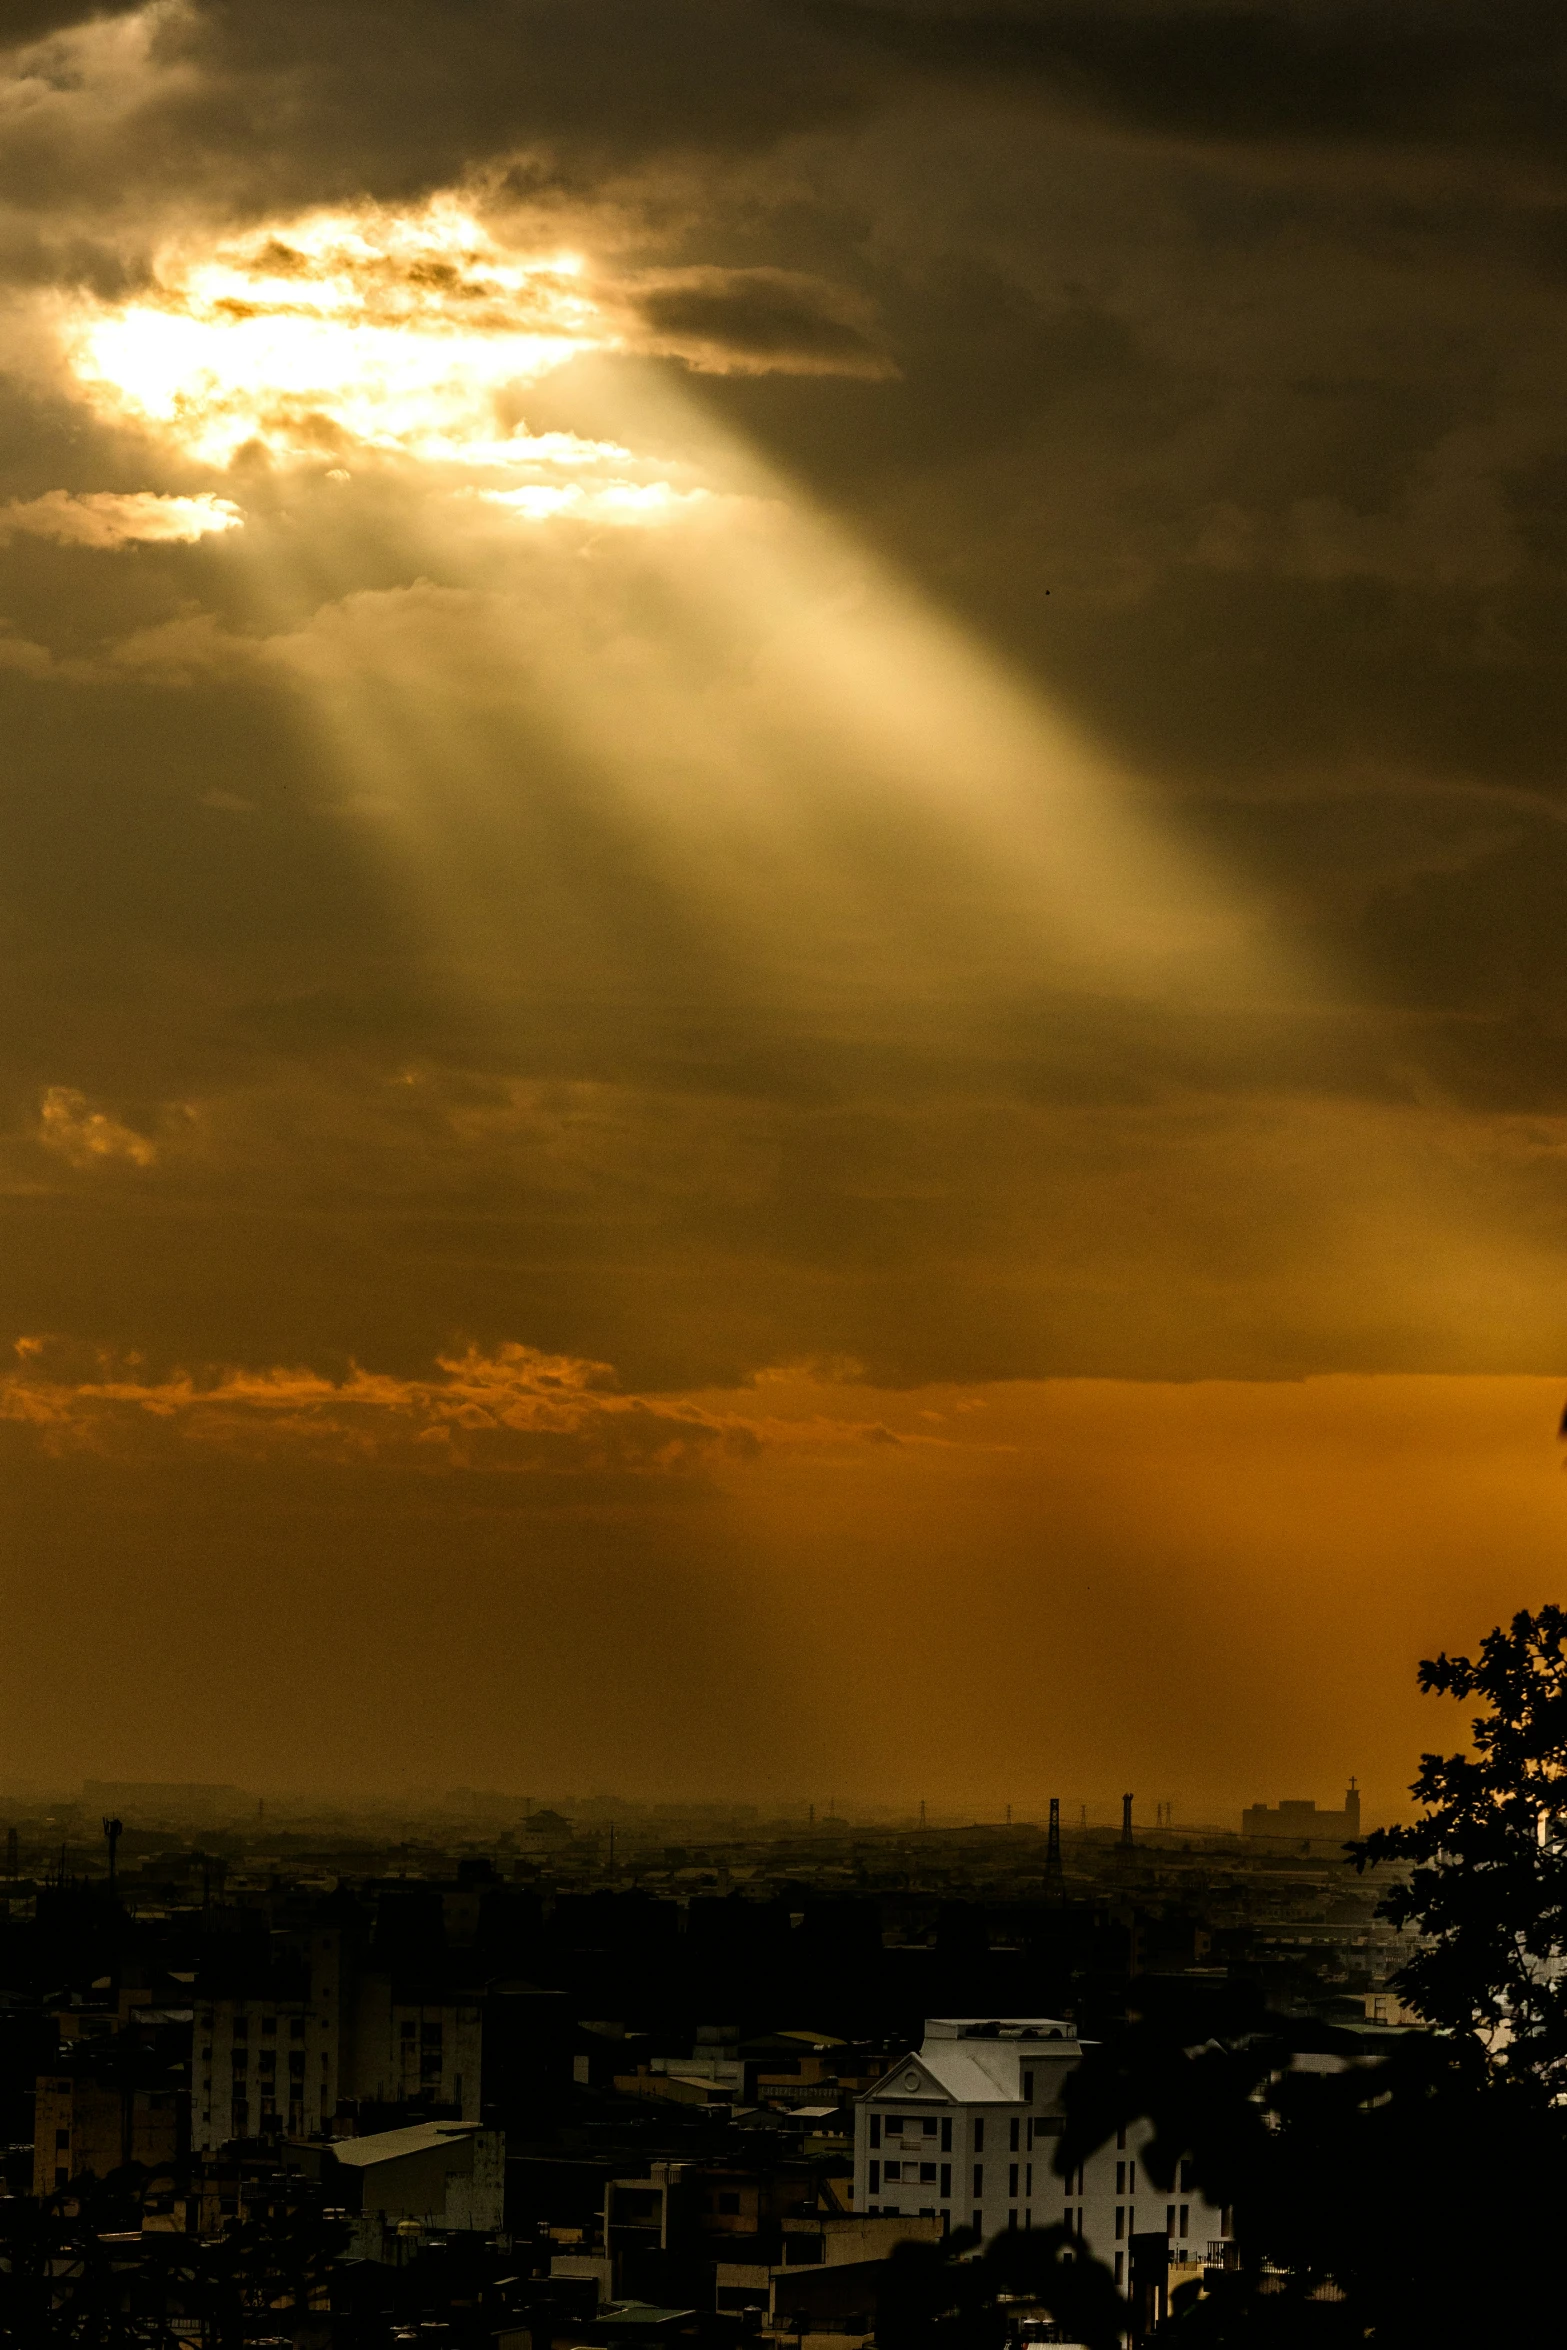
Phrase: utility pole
[1126,1822]
[1055,1880]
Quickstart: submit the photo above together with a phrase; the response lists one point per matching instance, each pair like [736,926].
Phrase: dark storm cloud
[1228,69]
[759,319]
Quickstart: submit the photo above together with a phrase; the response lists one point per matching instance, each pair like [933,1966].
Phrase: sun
[367,328]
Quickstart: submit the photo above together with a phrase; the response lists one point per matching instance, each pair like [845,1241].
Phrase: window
[979,2179]
[1120,2178]
[1186,2219]
[1028,2181]
[296,2027]
[1120,2260]
[893,2170]
[979,2137]
[430,2035]
[927,2174]
[946,2183]
[979,2223]
[875,2178]
[1169,2221]
[1011,2219]
[409,2031]
[729,2205]
[62,2137]
[269,2027]
[1014,2135]
[1012,2178]
[1120,2220]
[296,2060]
[1131,2178]
[62,2177]
[929,2126]
[875,2129]
[946,2137]
[239,2059]
[1028,2088]
[242,2027]
[267,2061]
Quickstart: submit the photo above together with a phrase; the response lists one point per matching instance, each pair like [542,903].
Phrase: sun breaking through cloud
[396,331]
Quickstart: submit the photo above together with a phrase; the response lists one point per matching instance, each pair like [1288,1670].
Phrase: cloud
[86,1137]
[512,1409]
[757,321]
[113,519]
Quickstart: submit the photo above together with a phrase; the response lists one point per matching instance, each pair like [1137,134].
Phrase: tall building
[83,2122]
[278,2059]
[965,2130]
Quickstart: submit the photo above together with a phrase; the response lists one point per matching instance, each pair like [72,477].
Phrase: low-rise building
[435,2178]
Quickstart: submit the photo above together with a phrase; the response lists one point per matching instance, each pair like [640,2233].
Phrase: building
[1298,1823]
[83,2123]
[409,2042]
[964,2130]
[282,2058]
[435,2178]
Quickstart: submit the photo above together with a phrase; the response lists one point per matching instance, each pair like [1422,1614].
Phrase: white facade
[965,2130]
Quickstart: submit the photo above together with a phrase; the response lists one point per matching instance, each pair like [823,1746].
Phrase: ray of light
[610,679]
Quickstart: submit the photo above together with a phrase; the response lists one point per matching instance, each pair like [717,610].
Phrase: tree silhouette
[950,2296]
[1488,1889]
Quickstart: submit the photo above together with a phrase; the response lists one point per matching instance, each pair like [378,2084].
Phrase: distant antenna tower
[1009,1815]
[1126,1821]
[922,1811]
[11,1868]
[1055,1883]
[113,1830]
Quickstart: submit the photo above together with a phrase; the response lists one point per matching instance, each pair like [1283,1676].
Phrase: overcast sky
[783,888]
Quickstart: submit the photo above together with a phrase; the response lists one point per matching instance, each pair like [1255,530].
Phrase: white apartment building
[965,2130]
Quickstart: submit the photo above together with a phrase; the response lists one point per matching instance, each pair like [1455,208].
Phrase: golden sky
[782,882]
